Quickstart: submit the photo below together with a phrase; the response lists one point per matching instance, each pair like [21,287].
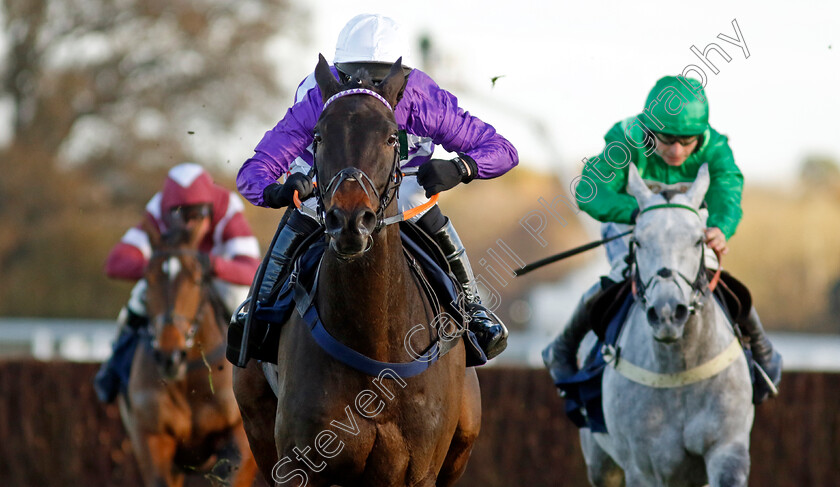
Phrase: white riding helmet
[373,42]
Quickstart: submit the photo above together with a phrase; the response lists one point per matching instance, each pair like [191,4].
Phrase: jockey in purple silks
[427,115]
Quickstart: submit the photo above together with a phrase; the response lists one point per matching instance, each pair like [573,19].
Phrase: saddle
[424,257]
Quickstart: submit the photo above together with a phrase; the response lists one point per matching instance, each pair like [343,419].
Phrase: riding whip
[568,253]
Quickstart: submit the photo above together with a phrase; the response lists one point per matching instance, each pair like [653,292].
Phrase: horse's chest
[643,416]
[363,440]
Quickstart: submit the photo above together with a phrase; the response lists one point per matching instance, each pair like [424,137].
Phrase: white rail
[90,341]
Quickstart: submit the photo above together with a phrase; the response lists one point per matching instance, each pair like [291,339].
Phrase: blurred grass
[787,251]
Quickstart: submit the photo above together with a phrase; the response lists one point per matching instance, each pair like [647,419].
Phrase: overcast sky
[573,69]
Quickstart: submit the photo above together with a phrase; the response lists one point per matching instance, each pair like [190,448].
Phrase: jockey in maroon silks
[189,197]
[427,115]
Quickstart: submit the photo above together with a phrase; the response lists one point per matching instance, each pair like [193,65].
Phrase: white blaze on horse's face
[171,267]
[669,250]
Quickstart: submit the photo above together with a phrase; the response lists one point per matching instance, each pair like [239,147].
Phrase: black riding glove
[438,175]
[279,195]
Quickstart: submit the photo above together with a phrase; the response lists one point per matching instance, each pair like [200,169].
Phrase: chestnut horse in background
[332,424]
[179,409]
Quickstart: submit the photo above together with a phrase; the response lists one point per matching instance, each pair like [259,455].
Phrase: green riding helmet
[674,108]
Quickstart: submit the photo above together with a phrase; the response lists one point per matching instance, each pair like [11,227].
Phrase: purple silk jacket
[425,110]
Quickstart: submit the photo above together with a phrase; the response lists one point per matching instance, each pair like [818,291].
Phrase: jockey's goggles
[669,139]
[187,213]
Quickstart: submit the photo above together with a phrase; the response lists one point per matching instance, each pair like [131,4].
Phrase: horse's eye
[392,140]
[317,138]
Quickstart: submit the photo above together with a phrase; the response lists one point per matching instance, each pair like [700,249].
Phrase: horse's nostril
[664,273]
[366,221]
[681,312]
[334,220]
[652,316]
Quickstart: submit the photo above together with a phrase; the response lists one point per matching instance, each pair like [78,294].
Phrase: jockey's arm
[724,195]
[279,147]
[601,189]
[127,260]
[236,258]
[238,270]
[427,110]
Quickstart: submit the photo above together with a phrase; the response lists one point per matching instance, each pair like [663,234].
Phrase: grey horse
[677,395]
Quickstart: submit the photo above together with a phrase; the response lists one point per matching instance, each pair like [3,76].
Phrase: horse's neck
[209,334]
[706,334]
[368,303]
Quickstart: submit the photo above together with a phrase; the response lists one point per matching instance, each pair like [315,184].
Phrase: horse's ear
[698,189]
[636,187]
[327,83]
[391,88]
[152,231]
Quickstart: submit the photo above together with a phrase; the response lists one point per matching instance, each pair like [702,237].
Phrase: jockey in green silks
[668,142]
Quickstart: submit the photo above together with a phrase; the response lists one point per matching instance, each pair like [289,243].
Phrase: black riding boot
[294,232]
[488,329]
[108,379]
[765,357]
[560,356]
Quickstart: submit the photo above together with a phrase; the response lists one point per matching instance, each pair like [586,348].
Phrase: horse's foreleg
[600,466]
[469,424]
[728,465]
[155,454]
[257,405]
[247,471]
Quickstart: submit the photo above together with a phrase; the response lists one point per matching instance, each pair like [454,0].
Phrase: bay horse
[330,423]
[677,395]
[179,409]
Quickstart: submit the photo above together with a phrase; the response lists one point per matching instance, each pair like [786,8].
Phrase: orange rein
[716,278]
[406,215]
[411,213]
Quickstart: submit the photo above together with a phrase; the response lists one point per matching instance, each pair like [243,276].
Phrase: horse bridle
[169,316]
[698,285]
[354,174]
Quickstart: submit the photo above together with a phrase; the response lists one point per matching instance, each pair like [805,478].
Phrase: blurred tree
[820,171]
[100,97]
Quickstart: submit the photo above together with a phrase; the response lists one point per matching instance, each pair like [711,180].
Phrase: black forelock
[361,78]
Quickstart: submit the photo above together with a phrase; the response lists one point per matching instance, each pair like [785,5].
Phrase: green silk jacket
[611,203]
